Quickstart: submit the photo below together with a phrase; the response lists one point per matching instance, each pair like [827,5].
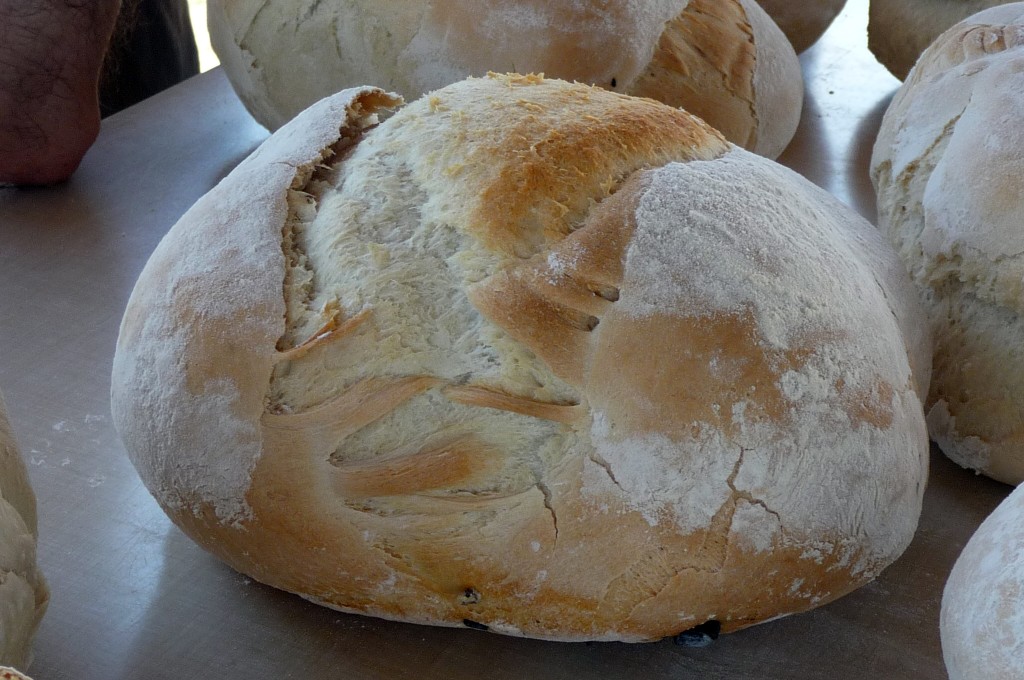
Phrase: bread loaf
[723,60]
[12,674]
[900,30]
[948,167]
[23,591]
[982,620]
[803,22]
[532,356]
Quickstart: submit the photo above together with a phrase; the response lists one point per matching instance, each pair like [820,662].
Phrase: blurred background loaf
[803,22]
[723,60]
[900,30]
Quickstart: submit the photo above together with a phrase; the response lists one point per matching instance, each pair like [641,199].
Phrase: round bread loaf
[803,22]
[23,591]
[948,166]
[533,356]
[982,619]
[900,30]
[723,60]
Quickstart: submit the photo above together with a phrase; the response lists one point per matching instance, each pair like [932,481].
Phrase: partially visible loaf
[948,166]
[23,591]
[532,356]
[723,60]
[982,620]
[803,22]
[900,30]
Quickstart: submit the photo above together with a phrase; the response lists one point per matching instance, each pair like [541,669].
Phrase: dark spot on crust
[469,596]
[474,625]
[613,82]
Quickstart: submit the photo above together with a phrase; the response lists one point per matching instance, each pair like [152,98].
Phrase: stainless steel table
[133,598]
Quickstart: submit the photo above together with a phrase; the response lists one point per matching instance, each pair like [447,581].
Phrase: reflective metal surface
[133,598]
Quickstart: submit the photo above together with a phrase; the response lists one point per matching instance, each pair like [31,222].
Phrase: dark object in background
[152,49]
[700,636]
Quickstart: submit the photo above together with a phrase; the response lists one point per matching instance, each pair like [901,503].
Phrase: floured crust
[900,30]
[703,55]
[227,279]
[949,199]
[539,367]
[24,594]
[802,22]
[982,620]
[12,674]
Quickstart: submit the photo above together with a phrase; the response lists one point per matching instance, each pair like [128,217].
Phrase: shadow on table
[859,159]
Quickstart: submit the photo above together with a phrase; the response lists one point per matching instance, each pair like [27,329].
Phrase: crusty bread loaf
[533,356]
[900,30]
[948,167]
[23,591]
[802,22]
[982,620]
[723,60]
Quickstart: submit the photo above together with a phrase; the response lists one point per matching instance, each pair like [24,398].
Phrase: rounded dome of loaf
[982,619]
[948,167]
[725,61]
[529,355]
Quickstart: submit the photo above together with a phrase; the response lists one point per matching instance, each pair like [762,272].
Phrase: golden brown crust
[553,165]
[710,43]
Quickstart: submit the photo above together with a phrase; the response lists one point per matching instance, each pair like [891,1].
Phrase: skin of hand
[51,54]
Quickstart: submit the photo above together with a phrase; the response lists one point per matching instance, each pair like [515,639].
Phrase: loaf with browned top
[529,355]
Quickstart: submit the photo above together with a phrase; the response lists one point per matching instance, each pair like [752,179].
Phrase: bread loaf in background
[723,60]
[982,619]
[533,356]
[900,30]
[948,166]
[802,22]
[23,591]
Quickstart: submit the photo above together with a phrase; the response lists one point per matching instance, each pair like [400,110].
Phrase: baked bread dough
[723,60]
[982,620]
[532,356]
[900,30]
[803,22]
[12,674]
[23,591]
[948,167]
